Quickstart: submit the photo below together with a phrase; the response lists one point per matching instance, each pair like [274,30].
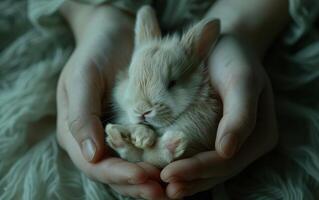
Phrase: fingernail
[142,178]
[228,145]
[88,149]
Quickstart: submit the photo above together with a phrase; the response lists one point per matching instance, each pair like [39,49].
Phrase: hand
[248,124]
[239,78]
[103,45]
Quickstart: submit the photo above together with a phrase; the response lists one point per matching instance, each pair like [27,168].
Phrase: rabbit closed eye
[165,92]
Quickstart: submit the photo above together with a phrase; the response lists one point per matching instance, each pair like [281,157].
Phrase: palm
[246,93]
[85,82]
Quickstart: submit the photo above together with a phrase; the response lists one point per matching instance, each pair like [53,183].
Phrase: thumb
[240,105]
[84,94]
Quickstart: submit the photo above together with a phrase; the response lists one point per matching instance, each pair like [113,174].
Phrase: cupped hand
[103,46]
[247,129]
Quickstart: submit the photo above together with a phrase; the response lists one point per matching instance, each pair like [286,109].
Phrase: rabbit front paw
[118,139]
[142,136]
[116,136]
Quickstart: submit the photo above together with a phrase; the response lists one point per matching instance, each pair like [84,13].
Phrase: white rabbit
[166,108]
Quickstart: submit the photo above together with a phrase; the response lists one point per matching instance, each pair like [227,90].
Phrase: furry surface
[32,166]
[182,117]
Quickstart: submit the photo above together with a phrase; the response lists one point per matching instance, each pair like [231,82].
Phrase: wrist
[257,23]
[95,19]
[76,14]
[103,37]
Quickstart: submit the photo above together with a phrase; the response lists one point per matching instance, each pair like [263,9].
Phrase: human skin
[104,40]
[248,128]
[104,44]
[254,24]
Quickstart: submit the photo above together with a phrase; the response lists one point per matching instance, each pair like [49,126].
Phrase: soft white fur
[183,119]
[30,63]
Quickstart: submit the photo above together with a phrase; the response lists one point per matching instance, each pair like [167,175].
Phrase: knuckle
[76,124]
[137,175]
[200,167]
[244,124]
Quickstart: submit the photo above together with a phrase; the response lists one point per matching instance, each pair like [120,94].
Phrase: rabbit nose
[144,115]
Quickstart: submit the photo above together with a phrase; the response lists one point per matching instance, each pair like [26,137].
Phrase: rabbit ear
[199,39]
[146,27]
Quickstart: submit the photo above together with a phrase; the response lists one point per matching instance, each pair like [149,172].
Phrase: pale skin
[104,41]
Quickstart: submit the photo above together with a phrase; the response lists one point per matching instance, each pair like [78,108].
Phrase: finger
[239,80]
[118,171]
[84,95]
[240,104]
[152,171]
[210,164]
[148,190]
[201,166]
[178,190]
[61,111]
[110,170]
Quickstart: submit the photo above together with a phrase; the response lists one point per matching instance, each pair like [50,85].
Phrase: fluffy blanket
[32,165]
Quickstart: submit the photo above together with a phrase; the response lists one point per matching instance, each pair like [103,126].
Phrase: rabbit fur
[165,106]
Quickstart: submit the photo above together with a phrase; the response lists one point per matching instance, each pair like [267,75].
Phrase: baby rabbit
[166,108]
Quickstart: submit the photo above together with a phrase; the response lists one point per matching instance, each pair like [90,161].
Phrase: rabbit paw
[116,136]
[142,136]
[118,139]
[175,142]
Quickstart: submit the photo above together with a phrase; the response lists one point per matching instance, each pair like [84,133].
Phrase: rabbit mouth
[157,116]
